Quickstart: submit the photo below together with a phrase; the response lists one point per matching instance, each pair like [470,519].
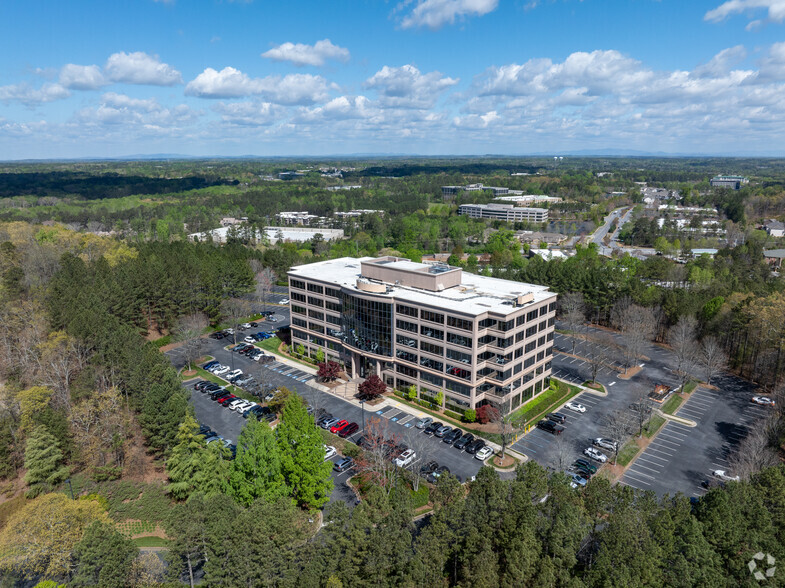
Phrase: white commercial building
[505,212]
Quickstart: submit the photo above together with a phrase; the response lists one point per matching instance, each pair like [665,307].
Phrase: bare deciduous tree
[188,330]
[60,358]
[375,460]
[596,352]
[234,309]
[422,446]
[562,453]
[265,280]
[506,422]
[753,453]
[641,406]
[637,325]
[713,358]
[573,313]
[682,340]
[618,426]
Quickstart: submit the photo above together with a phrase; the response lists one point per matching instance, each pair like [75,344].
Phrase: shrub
[484,414]
[351,450]
[411,394]
[470,415]
[453,415]
[372,388]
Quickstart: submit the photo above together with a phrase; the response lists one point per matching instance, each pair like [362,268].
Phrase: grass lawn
[690,387]
[271,345]
[654,424]
[150,542]
[627,452]
[546,401]
[673,403]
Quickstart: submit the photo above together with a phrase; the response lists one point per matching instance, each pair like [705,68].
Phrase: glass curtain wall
[367,325]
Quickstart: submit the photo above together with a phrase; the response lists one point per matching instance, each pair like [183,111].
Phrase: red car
[349,429]
[336,428]
[227,399]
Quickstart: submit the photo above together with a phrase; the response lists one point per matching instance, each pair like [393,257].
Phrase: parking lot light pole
[362,405]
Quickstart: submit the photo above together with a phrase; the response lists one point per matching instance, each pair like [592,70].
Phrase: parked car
[475,446]
[453,436]
[284,301]
[343,465]
[272,319]
[210,364]
[220,393]
[586,464]
[579,471]
[329,451]
[428,468]
[484,453]
[608,444]
[226,400]
[235,403]
[557,417]
[550,427]
[221,370]
[574,406]
[233,375]
[432,428]
[423,422]
[211,439]
[595,454]
[442,431]
[432,478]
[245,326]
[326,416]
[577,481]
[244,406]
[724,476]
[348,430]
[217,335]
[463,441]
[338,426]
[405,458]
[764,400]
[329,423]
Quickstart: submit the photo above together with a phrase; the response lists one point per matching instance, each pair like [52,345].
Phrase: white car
[221,369]
[258,355]
[245,326]
[764,400]
[241,408]
[484,453]
[575,407]
[229,331]
[595,454]
[284,301]
[250,340]
[329,451]
[406,458]
[724,476]
[231,375]
[608,444]
[235,403]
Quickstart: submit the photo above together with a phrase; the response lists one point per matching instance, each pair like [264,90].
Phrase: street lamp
[362,405]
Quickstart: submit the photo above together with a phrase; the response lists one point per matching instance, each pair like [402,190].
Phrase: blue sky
[263,77]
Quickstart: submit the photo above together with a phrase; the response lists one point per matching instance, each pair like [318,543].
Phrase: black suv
[463,441]
[557,417]
[451,438]
[475,446]
[432,428]
[550,427]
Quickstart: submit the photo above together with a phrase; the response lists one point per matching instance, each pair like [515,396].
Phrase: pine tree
[103,558]
[186,463]
[305,471]
[256,469]
[43,461]
[164,408]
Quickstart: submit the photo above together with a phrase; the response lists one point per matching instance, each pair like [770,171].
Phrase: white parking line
[638,465]
[675,444]
[654,457]
[668,432]
[611,384]
[668,453]
[660,465]
[636,479]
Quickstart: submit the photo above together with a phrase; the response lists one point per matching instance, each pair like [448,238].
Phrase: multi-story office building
[505,212]
[478,340]
[732,182]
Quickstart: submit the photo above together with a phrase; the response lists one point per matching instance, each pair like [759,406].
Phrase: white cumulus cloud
[436,13]
[775,9]
[407,87]
[232,83]
[140,68]
[26,94]
[301,54]
[81,77]
[251,113]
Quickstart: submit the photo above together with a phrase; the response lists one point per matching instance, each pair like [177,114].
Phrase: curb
[677,419]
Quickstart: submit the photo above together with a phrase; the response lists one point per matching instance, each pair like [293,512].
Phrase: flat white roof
[475,295]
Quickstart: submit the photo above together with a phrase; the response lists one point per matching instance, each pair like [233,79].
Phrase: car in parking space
[577,481]
[272,319]
[343,465]
[284,301]
[557,417]
[442,431]
[338,426]
[212,438]
[249,340]
[245,326]
[463,441]
[226,400]
[234,403]
[405,458]
[348,430]
[595,454]
[724,476]
[586,464]
[474,446]
[575,406]
[550,427]
[233,375]
[764,400]
[221,370]
[210,364]
[270,395]
[329,423]
[579,471]
[440,471]
[432,428]
[325,416]
[239,348]
[484,453]
[241,408]
[428,468]
[217,335]
[329,451]
[220,393]
[453,436]
[608,444]
[423,422]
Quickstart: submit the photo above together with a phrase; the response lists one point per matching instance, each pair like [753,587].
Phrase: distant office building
[497,190]
[732,182]
[290,175]
[295,218]
[475,339]
[505,212]
[358,213]
[523,199]
[337,188]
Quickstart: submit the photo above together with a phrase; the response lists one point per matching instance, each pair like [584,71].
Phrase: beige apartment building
[478,340]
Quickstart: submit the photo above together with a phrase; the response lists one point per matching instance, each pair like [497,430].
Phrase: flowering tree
[328,371]
[372,388]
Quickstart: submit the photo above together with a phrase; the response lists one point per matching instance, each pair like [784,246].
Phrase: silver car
[423,422]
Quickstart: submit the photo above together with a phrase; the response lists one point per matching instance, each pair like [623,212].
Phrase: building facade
[505,212]
[478,340]
[732,182]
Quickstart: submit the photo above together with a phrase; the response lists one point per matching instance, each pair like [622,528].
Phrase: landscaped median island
[635,445]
